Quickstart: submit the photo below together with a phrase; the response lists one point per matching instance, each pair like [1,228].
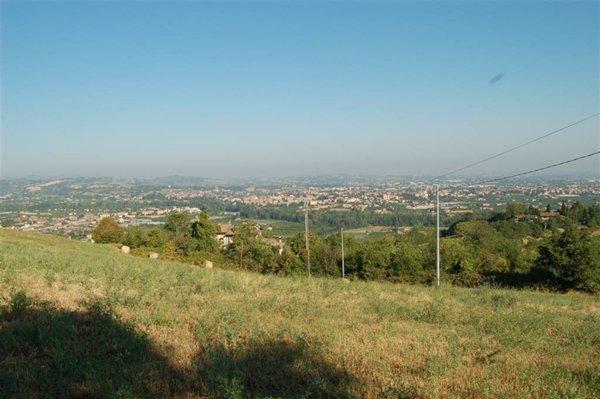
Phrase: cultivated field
[83,320]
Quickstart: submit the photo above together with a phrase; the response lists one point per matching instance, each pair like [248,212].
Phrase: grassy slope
[79,319]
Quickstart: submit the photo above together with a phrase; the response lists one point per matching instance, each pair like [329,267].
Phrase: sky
[274,89]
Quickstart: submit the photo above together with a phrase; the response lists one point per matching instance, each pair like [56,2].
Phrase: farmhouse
[548,215]
[225,235]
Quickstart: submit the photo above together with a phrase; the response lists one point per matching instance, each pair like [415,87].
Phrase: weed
[19,302]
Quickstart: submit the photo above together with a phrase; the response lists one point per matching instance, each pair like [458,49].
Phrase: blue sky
[246,89]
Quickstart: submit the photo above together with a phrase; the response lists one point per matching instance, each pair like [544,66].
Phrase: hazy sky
[243,89]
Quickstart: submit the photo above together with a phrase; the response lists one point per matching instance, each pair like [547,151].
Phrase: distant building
[225,235]
[525,218]
[548,215]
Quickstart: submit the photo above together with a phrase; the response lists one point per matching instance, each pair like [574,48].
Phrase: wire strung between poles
[538,169]
[516,147]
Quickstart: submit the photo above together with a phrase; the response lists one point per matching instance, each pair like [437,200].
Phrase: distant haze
[276,89]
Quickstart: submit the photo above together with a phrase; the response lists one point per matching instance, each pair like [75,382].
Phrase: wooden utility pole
[241,254]
[306,237]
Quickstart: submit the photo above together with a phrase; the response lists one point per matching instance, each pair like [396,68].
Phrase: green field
[83,320]
[282,228]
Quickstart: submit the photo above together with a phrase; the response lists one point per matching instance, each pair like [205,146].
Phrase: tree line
[349,218]
[517,247]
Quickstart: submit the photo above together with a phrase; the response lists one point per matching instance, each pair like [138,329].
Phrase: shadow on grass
[531,279]
[272,368]
[46,352]
[50,352]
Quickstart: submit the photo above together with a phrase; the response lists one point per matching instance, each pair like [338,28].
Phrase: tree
[592,216]
[179,225]
[457,255]
[569,262]
[107,231]
[178,222]
[374,261]
[286,263]
[513,209]
[324,253]
[563,209]
[577,213]
[407,262]
[155,238]
[245,242]
[203,231]
[532,210]
[135,237]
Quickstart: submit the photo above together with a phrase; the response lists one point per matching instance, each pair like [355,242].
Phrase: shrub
[569,261]
[107,231]
[135,237]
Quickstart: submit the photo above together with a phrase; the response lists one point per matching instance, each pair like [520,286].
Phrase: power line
[517,147]
[503,178]
[529,171]
[539,169]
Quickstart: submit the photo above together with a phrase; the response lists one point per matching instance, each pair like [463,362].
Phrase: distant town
[74,206]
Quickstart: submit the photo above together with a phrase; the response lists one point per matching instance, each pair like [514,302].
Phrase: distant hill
[182,180]
[84,320]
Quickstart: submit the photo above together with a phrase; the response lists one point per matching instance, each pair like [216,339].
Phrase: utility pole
[437,259]
[343,271]
[241,254]
[306,237]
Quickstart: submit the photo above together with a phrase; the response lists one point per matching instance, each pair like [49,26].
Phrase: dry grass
[231,334]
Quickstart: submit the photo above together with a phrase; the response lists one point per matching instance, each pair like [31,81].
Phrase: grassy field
[83,320]
[286,229]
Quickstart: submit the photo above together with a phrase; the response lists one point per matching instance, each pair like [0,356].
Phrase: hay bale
[208,264]
[153,255]
[125,249]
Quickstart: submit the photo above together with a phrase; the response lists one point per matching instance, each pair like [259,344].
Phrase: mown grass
[83,320]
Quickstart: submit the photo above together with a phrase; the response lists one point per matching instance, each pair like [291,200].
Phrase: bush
[107,231]
[569,261]
[135,237]
[467,278]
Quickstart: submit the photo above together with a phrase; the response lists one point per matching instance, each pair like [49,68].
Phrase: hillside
[83,320]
